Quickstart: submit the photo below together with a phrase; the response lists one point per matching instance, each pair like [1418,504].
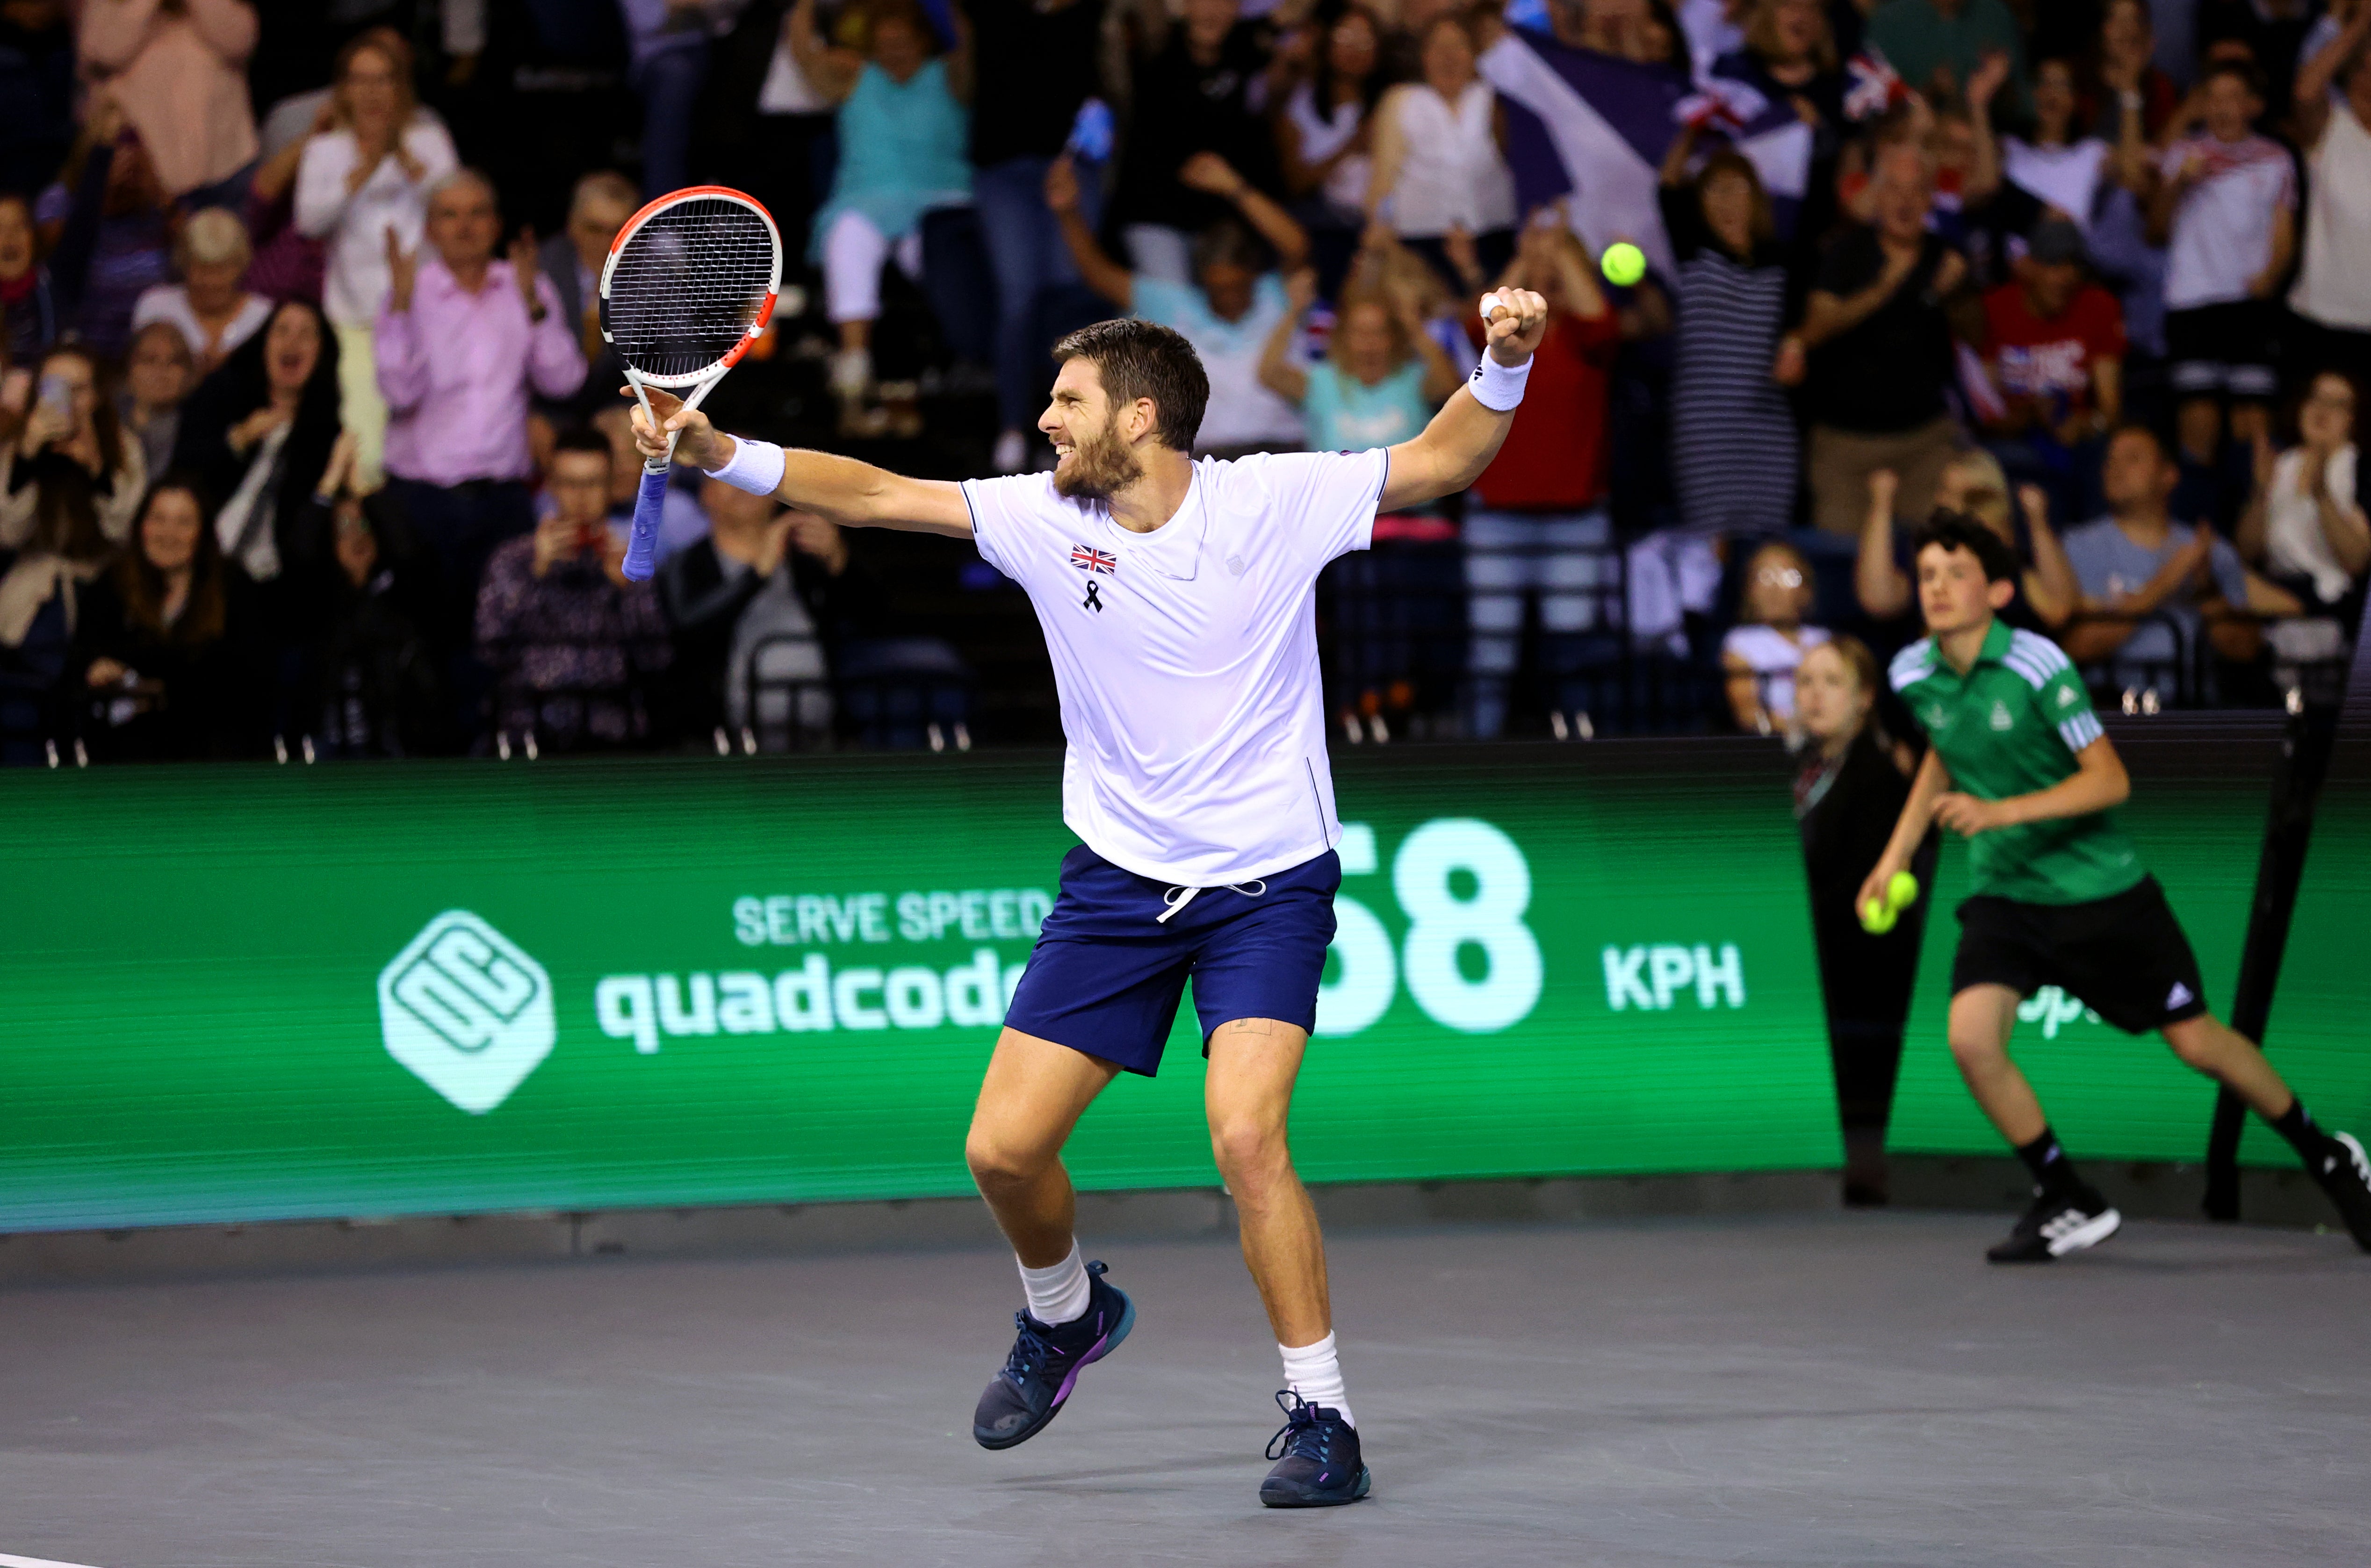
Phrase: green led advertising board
[242,992]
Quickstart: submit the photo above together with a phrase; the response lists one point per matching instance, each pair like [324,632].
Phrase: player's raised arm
[1462,439]
[850,493]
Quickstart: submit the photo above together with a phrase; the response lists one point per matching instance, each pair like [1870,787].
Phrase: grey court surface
[1811,1389]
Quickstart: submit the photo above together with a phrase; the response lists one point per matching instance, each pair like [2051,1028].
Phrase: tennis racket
[688,286]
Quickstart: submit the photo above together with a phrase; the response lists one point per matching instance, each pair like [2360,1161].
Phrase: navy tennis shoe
[1317,1460]
[1044,1366]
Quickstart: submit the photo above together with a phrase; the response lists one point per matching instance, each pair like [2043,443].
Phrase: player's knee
[997,1162]
[2196,1044]
[1250,1149]
[1977,1052]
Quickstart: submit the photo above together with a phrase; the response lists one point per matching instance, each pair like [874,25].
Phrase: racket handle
[641,550]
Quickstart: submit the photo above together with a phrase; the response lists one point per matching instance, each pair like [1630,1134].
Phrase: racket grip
[641,549]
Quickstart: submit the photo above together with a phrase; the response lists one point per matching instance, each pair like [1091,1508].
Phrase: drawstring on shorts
[1177,898]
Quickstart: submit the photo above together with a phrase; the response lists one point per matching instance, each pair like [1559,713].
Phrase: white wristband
[755,466]
[1498,388]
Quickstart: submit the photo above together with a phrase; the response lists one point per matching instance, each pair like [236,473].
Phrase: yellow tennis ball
[1901,891]
[1877,916]
[1624,263]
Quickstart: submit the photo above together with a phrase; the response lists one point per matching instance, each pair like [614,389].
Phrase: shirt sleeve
[1325,501]
[1000,518]
[2066,702]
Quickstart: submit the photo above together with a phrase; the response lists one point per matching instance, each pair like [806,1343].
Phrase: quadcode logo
[468,1011]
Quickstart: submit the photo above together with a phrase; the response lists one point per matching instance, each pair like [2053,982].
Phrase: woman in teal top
[1381,380]
[903,130]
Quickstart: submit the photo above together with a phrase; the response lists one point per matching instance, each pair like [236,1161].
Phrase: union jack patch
[1093,561]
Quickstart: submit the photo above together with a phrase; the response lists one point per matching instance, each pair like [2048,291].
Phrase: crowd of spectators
[309,440]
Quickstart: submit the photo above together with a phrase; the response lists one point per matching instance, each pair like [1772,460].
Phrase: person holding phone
[71,440]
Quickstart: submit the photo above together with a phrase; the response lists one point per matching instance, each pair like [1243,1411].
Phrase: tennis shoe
[2057,1224]
[2344,1172]
[1044,1366]
[1317,1459]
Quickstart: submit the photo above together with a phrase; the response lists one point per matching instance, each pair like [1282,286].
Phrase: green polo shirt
[2010,726]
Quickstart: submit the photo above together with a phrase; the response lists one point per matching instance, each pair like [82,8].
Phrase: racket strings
[687,284]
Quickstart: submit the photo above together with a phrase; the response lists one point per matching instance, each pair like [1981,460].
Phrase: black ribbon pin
[1092,601]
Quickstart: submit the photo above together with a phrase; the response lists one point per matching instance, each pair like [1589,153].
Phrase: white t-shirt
[1186,658]
[2295,545]
[1774,656]
[2067,178]
[2334,287]
[354,224]
[2223,228]
[170,302]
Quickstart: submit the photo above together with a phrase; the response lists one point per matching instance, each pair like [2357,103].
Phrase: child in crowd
[1761,652]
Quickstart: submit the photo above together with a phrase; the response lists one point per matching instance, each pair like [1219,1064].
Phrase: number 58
[1440,923]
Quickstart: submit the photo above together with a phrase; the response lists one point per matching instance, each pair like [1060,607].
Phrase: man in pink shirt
[463,341]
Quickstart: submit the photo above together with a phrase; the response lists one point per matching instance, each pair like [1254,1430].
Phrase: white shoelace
[1177,898]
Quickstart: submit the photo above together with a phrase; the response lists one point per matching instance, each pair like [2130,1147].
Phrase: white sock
[1058,1294]
[1314,1373]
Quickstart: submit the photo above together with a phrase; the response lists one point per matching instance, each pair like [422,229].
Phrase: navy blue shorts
[1107,972]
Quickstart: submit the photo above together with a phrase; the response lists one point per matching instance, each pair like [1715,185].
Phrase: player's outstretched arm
[850,493]
[1462,439]
[1909,830]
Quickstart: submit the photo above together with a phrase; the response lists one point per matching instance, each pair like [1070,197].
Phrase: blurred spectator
[2054,352]
[52,549]
[163,644]
[1036,62]
[1438,169]
[1938,44]
[2269,34]
[462,341]
[792,144]
[1200,92]
[1536,526]
[2305,527]
[1849,793]
[1881,349]
[158,376]
[213,314]
[602,203]
[902,132]
[376,687]
[2225,205]
[258,432]
[28,304]
[1734,446]
[1760,653]
[114,233]
[1788,56]
[682,522]
[70,446]
[1381,380]
[363,187]
[1325,142]
[37,82]
[670,40]
[179,69]
[570,641]
[767,594]
[289,264]
[2151,589]
[2332,296]
[1227,313]
[2136,101]
[1885,581]
[2058,166]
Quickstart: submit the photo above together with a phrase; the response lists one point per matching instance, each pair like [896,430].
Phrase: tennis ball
[1624,263]
[1877,916]
[1901,891]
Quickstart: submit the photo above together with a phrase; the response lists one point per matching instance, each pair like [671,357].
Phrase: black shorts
[2232,349]
[2125,957]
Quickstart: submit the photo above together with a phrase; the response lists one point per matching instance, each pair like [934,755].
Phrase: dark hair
[2250,78]
[1228,243]
[65,511]
[1730,161]
[2133,427]
[2346,378]
[1948,530]
[1857,658]
[1322,79]
[583,438]
[1139,359]
[104,427]
[142,586]
[238,388]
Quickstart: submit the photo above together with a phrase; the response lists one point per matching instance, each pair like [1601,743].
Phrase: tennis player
[2022,769]
[1178,603]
